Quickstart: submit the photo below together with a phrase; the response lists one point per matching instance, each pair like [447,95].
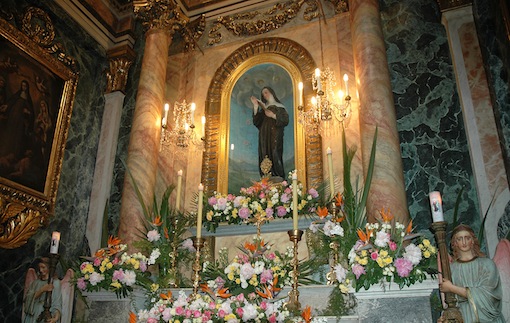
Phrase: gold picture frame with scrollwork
[37,89]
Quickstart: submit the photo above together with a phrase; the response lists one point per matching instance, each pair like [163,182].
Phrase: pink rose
[374,255]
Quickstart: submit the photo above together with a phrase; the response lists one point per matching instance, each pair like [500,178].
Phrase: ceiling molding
[93,26]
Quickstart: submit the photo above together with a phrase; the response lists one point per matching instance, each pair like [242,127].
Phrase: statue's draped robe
[481,277]
[34,307]
[271,137]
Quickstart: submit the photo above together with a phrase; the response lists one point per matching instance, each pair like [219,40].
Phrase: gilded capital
[120,59]
[160,14]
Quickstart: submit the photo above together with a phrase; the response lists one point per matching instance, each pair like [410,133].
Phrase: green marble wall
[429,120]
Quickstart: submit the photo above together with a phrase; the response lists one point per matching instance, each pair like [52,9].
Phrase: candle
[436,206]
[178,195]
[203,126]
[330,167]
[165,118]
[55,240]
[193,107]
[346,81]
[318,79]
[199,213]
[300,98]
[294,201]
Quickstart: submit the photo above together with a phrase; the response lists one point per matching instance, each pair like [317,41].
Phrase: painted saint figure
[475,279]
[271,118]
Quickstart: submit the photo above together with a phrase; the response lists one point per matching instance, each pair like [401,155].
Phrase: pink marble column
[377,110]
[143,150]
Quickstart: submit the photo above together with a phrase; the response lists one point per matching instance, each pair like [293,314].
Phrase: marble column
[121,59]
[484,148]
[143,149]
[377,110]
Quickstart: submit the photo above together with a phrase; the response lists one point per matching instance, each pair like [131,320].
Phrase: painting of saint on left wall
[30,98]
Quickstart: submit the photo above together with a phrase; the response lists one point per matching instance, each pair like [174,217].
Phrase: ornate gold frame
[300,65]
[24,210]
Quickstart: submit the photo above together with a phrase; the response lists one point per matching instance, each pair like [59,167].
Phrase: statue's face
[43,270]
[463,241]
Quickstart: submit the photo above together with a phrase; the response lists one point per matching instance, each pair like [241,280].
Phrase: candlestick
[293,304]
[331,178]
[436,206]
[294,201]
[178,194]
[346,82]
[200,206]
[55,240]
[300,98]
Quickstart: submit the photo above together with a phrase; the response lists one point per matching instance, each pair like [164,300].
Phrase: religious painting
[256,135]
[36,95]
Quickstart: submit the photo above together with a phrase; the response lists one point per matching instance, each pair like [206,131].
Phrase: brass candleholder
[451,313]
[293,304]
[45,315]
[198,243]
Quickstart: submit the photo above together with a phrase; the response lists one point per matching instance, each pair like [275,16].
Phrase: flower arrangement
[259,203]
[207,308]
[387,251]
[256,272]
[163,239]
[111,269]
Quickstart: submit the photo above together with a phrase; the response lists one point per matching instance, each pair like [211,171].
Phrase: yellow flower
[109,265]
[238,280]
[426,254]
[364,253]
[230,276]
[426,242]
[388,260]
[116,284]
[380,262]
[344,289]
[432,249]
[363,261]
[383,253]
[209,215]
[154,287]
[230,316]
[102,269]
[88,269]
[234,213]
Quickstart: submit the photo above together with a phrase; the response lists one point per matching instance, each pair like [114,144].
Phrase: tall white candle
[294,201]
[193,107]
[178,194]
[55,240]
[318,79]
[436,206]
[203,126]
[300,98]
[330,168]
[165,117]
[346,81]
[200,206]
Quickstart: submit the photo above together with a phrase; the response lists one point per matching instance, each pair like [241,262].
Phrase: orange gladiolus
[364,236]
[223,293]
[339,199]
[167,296]
[322,212]
[157,221]
[100,253]
[206,289]
[409,228]
[250,246]
[132,317]
[113,241]
[307,314]
[386,215]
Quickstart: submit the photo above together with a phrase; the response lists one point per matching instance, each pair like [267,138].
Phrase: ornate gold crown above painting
[31,154]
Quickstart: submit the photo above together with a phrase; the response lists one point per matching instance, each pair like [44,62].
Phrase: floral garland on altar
[260,203]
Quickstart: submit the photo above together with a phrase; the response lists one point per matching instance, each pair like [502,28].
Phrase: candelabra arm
[198,243]
[293,304]
[451,313]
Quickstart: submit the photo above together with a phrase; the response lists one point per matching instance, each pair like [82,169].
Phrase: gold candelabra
[198,243]
[293,304]
[451,313]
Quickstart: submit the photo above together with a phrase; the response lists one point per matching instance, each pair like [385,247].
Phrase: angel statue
[37,283]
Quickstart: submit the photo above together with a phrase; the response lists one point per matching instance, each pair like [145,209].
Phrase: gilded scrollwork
[160,14]
[17,223]
[192,33]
